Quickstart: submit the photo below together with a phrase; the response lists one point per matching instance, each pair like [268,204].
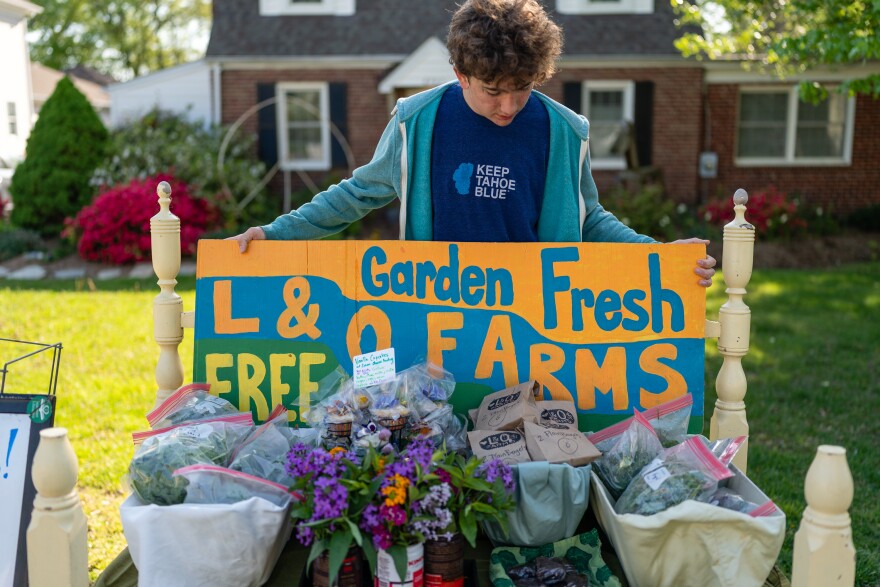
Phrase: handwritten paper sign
[373,368]
[611,327]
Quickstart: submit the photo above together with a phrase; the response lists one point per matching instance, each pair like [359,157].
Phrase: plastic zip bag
[158,453]
[635,448]
[263,453]
[669,421]
[685,471]
[213,484]
[190,402]
[726,448]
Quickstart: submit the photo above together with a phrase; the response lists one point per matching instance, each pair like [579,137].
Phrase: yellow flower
[336,450]
[395,494]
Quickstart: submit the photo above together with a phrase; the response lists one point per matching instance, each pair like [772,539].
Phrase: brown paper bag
[507,445]
[507,409]
[559,414]
[559,446]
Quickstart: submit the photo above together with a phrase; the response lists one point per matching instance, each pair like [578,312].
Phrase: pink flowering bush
[774,214]
[115,227]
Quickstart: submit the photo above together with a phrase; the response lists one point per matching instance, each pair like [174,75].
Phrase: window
[12,118]
[605,6]
[304,125]
[775,127]
[608,105]
[307,7]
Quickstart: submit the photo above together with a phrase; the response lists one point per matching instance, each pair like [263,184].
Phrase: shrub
[774,214]
[649,211]
[15,241]
[867,219]
[115,228]
[67,143]
[164,142]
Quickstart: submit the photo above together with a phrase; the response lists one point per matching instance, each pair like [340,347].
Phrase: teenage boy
[483,159]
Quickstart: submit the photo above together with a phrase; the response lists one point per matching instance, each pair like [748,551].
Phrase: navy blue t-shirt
[487,181]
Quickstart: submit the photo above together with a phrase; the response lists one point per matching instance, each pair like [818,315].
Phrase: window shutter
[339,118]
[572,95]
[644,121]
[267,131]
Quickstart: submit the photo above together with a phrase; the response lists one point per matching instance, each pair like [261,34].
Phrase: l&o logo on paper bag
[502,401]
[611,327]
[500,440]
[557,416]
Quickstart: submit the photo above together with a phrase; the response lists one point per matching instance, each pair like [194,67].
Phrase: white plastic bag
[205,545]
[695,543]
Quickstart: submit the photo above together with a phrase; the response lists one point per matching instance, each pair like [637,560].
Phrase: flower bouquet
[394,516]
[481,491]
[331,489]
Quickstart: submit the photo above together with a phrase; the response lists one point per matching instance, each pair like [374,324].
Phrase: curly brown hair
[510,40]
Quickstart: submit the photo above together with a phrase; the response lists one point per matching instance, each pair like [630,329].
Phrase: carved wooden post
[57,544]
[729,417]
[167,306]
[824,554]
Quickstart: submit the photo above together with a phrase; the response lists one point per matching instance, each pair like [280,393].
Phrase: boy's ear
[462,79]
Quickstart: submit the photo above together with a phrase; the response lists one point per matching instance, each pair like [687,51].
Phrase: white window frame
[628,88]
[286,163]
[606,7]
[789,159]
[319,8]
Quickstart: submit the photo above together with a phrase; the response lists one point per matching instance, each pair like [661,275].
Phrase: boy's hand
[705,267]
[254,233]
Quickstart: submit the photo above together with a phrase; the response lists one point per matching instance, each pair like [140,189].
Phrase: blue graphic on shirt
[462,178]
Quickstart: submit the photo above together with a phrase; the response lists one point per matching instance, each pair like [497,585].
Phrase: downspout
[216,102]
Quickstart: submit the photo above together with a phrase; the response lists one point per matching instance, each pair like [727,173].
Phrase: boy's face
[500,101]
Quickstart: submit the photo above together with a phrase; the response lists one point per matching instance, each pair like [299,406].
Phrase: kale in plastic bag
[633,450]
[155,460]
[686,471]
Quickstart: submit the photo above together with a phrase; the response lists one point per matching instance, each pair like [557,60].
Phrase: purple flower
[370,517]
[421,451]
[305,535]
[495,468]
[331,499]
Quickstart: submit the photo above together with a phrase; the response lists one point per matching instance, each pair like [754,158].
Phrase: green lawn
[813,373]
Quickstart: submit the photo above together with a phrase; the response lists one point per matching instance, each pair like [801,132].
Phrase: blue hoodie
[401,168]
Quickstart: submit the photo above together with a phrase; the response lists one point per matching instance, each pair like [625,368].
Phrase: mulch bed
[812,253]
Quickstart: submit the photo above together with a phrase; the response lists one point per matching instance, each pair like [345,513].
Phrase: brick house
[301,74]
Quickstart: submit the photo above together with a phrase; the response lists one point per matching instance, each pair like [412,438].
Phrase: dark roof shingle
[398,27]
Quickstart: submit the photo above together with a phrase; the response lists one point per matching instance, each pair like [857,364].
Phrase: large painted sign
[610,326]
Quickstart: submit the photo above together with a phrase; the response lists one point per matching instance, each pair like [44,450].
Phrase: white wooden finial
[57,543]
[824,554]
[167,306]
[729,416]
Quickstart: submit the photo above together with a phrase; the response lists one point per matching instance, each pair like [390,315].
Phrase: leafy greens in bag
[158,453]
[634,449]
[685,471]
[190,402]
